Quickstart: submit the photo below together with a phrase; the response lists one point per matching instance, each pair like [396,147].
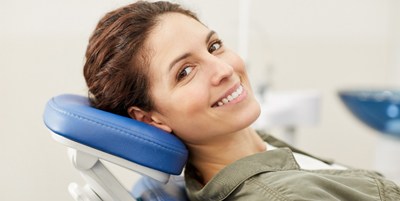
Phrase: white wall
[394,41]
[309,44]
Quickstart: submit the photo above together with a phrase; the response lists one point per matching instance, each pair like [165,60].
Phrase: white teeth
[239,90]
[231,97]
[235,94]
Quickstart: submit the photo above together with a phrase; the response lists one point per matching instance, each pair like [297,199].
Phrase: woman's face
[199,87]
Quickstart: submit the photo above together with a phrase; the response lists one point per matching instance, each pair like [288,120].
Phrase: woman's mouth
[231,97]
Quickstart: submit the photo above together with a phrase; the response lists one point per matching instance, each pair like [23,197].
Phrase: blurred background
[322,46]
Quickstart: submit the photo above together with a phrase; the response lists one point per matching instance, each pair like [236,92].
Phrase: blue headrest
[72,117]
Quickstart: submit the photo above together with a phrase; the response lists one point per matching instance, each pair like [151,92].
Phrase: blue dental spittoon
[378,109]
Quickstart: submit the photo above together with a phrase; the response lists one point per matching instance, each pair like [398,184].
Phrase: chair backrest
[93,134]
[72,117]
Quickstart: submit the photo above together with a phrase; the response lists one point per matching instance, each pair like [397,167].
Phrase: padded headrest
[72,117]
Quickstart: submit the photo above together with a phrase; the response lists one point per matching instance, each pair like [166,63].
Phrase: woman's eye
[215,46]
[185,72]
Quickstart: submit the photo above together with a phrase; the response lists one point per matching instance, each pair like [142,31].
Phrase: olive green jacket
[275,175]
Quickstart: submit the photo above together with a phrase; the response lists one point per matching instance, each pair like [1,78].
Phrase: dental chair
[93,136]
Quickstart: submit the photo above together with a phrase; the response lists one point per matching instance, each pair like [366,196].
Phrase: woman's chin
[249,116]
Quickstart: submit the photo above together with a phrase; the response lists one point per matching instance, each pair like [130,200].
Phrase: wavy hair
[116,66]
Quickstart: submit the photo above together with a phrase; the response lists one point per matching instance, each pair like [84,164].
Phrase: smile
[231,97]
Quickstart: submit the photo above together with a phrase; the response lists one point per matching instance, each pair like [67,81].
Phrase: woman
[157,63]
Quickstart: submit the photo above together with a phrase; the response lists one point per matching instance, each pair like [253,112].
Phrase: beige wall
[309,44]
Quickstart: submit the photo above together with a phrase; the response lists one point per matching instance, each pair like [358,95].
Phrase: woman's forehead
[175,27]
[174,35]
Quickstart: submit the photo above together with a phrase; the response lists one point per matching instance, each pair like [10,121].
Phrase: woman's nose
[220,71]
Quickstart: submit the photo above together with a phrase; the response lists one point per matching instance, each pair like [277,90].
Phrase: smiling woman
[191,72]
[157,63]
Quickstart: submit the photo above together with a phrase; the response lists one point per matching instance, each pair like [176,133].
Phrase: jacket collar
[278,143]
[223,183]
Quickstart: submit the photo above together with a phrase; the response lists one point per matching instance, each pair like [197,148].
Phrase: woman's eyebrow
[209,35]
[186,55]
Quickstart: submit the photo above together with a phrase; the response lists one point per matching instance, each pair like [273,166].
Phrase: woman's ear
[148,118]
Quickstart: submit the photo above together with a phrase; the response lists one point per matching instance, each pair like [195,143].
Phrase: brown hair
[116,66]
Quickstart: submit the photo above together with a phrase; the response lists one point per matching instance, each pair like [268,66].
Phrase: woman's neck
[212,157]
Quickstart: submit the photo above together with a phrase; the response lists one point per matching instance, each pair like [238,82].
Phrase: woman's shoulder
[349,184]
